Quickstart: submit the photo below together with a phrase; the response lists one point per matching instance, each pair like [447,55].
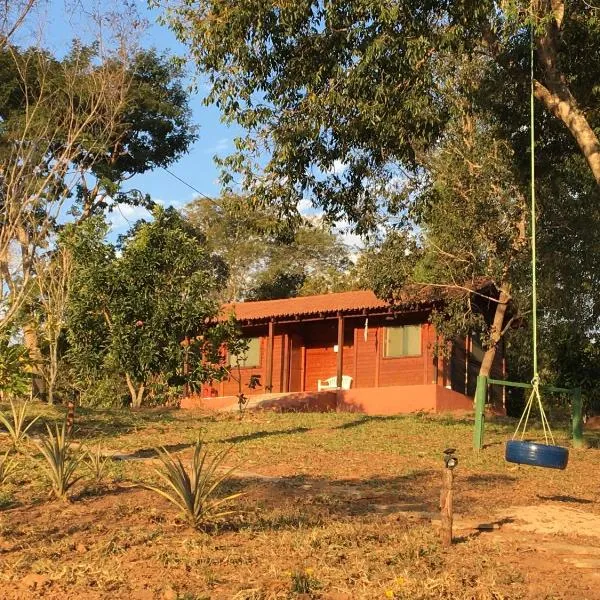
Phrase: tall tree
[73,132]
[362,83]
[467,236]
[268,259]
[373,87]
[148,311]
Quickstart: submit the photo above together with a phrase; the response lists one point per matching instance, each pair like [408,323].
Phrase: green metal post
[480,396]
[577,418]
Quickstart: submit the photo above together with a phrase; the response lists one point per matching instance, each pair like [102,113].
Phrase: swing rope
[535,396]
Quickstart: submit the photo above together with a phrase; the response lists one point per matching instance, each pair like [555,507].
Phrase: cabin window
[250,358]
[404,340]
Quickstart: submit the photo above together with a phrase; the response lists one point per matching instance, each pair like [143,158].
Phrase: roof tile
[305,305]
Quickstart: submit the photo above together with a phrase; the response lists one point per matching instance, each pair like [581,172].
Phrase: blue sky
[61,18]
[197,167]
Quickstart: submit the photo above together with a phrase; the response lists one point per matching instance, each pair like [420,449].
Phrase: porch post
[269,382]
[340,352]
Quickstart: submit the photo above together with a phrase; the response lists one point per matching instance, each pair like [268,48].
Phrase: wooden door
[296,354]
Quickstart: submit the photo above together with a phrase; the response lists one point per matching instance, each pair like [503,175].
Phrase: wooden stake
[446,506]
[70,417]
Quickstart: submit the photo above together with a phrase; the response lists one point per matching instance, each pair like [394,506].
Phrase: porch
[349,351]
[391,400]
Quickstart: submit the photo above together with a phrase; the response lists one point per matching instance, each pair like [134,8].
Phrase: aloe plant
[8,465]
[194,492]
[17,427]
[61,461]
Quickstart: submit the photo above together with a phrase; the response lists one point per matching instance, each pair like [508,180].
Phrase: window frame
[243,366]
[402,356]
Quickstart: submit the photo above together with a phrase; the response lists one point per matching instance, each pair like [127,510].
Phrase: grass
[336,506]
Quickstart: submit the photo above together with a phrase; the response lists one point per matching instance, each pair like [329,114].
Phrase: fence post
[480,396]
[577,418]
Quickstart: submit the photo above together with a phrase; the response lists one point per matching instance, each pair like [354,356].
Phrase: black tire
[536,455]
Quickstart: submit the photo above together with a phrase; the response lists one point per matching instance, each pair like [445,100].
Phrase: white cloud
[124,216]
[305,207]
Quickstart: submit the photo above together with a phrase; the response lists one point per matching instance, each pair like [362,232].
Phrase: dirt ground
[335,507]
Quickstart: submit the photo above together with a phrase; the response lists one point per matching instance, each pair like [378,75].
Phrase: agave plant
[194,492]
[61,461]
[96,462]
[8,465]
[17,427]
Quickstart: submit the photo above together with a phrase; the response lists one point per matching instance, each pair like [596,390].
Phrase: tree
[267,259]
[74,131]
[467,234]
[13,14]
[346,101]
[364,84]
[149,311]
[53,283]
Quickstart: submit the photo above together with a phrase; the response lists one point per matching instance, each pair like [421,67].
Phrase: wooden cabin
[344,351]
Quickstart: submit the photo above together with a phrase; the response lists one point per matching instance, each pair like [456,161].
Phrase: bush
[107,392]
[15,369]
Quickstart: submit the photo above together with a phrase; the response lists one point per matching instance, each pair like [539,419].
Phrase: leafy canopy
[142,309]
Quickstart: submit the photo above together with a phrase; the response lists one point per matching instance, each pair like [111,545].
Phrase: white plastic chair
[331,383]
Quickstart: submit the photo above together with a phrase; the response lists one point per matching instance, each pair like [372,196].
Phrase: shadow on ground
[256,435]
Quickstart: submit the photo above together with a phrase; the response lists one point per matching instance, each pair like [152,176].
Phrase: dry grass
[337,506]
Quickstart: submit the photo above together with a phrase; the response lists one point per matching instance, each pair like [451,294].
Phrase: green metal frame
[481,395]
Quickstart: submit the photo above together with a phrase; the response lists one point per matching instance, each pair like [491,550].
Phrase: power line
[191,186]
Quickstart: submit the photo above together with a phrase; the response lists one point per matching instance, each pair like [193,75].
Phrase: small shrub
[194,492]
[15,377]
[303,582]
[96,462]
[61,462]
[6,500]
[17,426]
[8,465]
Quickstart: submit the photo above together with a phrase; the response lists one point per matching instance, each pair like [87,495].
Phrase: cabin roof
[345,303]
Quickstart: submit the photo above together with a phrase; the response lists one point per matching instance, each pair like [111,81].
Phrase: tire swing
[521,451]
[525,452]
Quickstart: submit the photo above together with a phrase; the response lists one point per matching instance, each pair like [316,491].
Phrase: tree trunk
[496,331]
[52,369]
[137,395]
[31,340]
[554,91]
[564,107]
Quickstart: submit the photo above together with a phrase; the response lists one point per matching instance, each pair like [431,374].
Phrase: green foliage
[96,462]
[16,423]
[158,117]
[303,582]
[8,465]
[15,365]
[194,492]
[146,311]
[106,390]
[345,97]
[268,258]
[60,461]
